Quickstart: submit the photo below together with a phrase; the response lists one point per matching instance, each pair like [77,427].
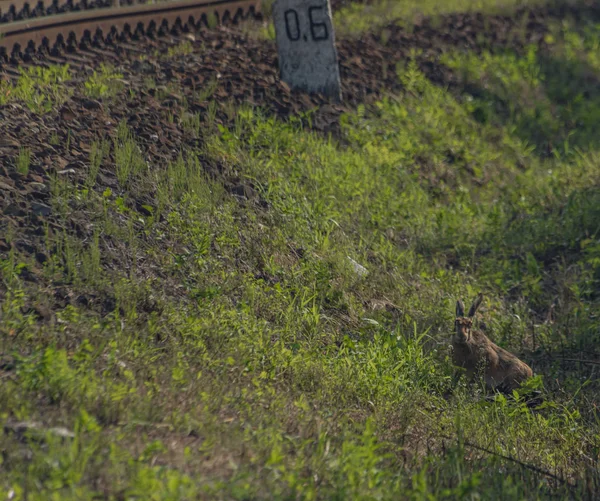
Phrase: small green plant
[6,90]
[268,7]
[41,89]
[98,152]
[149,83]
[208,91]
[192,123]
[54,139]
[61,191]
[24,161]
[91,267]
[212,20]
[181,49]
[104,83]
[128,157]
[211,113]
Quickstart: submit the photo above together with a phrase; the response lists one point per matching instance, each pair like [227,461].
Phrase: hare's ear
[460,309]
[476,304]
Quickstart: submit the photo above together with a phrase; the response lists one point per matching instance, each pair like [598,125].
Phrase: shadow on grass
[558,115]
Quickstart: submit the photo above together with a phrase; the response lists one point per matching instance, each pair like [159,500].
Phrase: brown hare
[473,351]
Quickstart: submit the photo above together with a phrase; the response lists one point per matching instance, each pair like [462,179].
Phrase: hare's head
[462,324]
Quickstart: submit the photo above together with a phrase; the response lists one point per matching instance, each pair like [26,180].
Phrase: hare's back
[512,365]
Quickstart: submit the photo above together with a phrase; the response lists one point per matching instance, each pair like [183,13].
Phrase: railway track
[59,23]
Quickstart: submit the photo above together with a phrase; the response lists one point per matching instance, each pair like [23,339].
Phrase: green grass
[98,152]
[129,159]
[557,112]
[355,18]
[221,346]
[40,89]
[361,17]
[104,83]
[23,161]
[182,49]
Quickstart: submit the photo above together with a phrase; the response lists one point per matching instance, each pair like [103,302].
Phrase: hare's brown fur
[473,351]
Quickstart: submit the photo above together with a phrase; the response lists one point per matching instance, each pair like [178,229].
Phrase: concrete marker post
[308,59]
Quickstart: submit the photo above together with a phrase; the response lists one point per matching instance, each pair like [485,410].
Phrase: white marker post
[306,46]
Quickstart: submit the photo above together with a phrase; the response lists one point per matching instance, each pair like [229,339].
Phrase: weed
[211,113]
[182,49]
[24,161]
[192,123]
[211,20]
[90,263]
[54,139]
[208,91]
[128,157]
[41,89]
[104,83]
[98,152]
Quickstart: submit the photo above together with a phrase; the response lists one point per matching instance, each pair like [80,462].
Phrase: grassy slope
[356,17]
[251,360]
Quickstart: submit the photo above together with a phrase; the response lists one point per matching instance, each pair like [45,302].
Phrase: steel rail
[46,30]
[16,9]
